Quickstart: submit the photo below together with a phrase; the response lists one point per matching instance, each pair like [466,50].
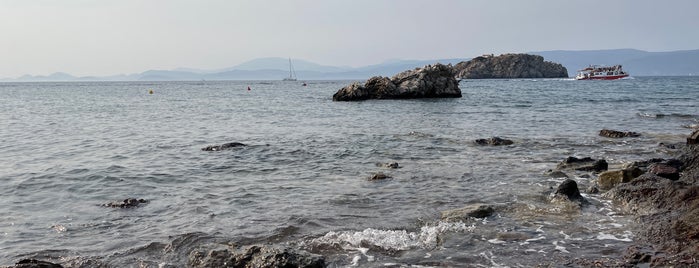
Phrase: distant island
[509,66]
[636,62]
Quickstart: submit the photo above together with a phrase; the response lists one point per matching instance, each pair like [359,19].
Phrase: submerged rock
[470,211]
[255,256]
[379,176]
[431,81]
[127,203]
[617,134]
[555,174]
[494,141]
[509,66]
[223,146]
[583,164]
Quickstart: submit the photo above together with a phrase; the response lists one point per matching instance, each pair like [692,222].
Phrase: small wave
[390,240]
[625,238]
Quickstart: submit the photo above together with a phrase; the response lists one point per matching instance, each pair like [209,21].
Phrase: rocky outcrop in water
[127,203]
[568,190]
[255,256]
[583,164]
[494,141]
[223,146]
[509,66]
[431,81]
[617,134]
[470,211]
[378,176]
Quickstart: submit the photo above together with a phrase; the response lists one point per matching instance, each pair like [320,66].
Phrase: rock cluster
[509,66]
[255,256]
[666,200]
[431,81]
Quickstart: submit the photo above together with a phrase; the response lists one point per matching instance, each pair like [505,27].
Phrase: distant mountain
[636,62]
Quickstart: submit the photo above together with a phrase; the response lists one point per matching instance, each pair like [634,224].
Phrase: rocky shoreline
[666,208]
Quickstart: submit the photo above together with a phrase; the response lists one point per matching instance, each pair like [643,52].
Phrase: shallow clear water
[66,148]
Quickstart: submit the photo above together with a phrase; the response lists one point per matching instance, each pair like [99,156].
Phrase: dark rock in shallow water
[32,263]
[470,211]
[127,203]
[583,164]
[431,81]
[379,176]
[617,134]
[389,165]
[509,66]
[494,141]
[255,256]
[223,146]
[569,190]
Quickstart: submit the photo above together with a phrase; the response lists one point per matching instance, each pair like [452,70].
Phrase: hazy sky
[95,37]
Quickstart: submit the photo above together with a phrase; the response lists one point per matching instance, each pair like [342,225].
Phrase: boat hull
[605,77]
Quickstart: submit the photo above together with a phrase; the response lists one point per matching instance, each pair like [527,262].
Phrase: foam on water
[426,237]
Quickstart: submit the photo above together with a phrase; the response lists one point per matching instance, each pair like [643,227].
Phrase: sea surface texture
[302,181]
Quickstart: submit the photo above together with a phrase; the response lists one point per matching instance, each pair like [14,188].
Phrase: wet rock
[431,81]
[617,134]
[509,66]
[693,138]
[665,170]
[32,263]
[223,146]
[494,141]
[389,165]
[583,164]
[568,189]
[255,256]
[379,176]
[127,203]
[470,211]
[556,174]
[609,179]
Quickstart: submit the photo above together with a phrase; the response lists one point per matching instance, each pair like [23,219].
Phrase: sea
[303,179]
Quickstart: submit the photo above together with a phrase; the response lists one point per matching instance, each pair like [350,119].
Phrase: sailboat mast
[291,68]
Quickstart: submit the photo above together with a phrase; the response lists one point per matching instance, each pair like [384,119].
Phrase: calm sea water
[302,181]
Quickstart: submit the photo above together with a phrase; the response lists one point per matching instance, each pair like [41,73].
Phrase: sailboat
[292,73]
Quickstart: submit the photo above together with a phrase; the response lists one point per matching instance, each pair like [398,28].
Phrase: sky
[100,38]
